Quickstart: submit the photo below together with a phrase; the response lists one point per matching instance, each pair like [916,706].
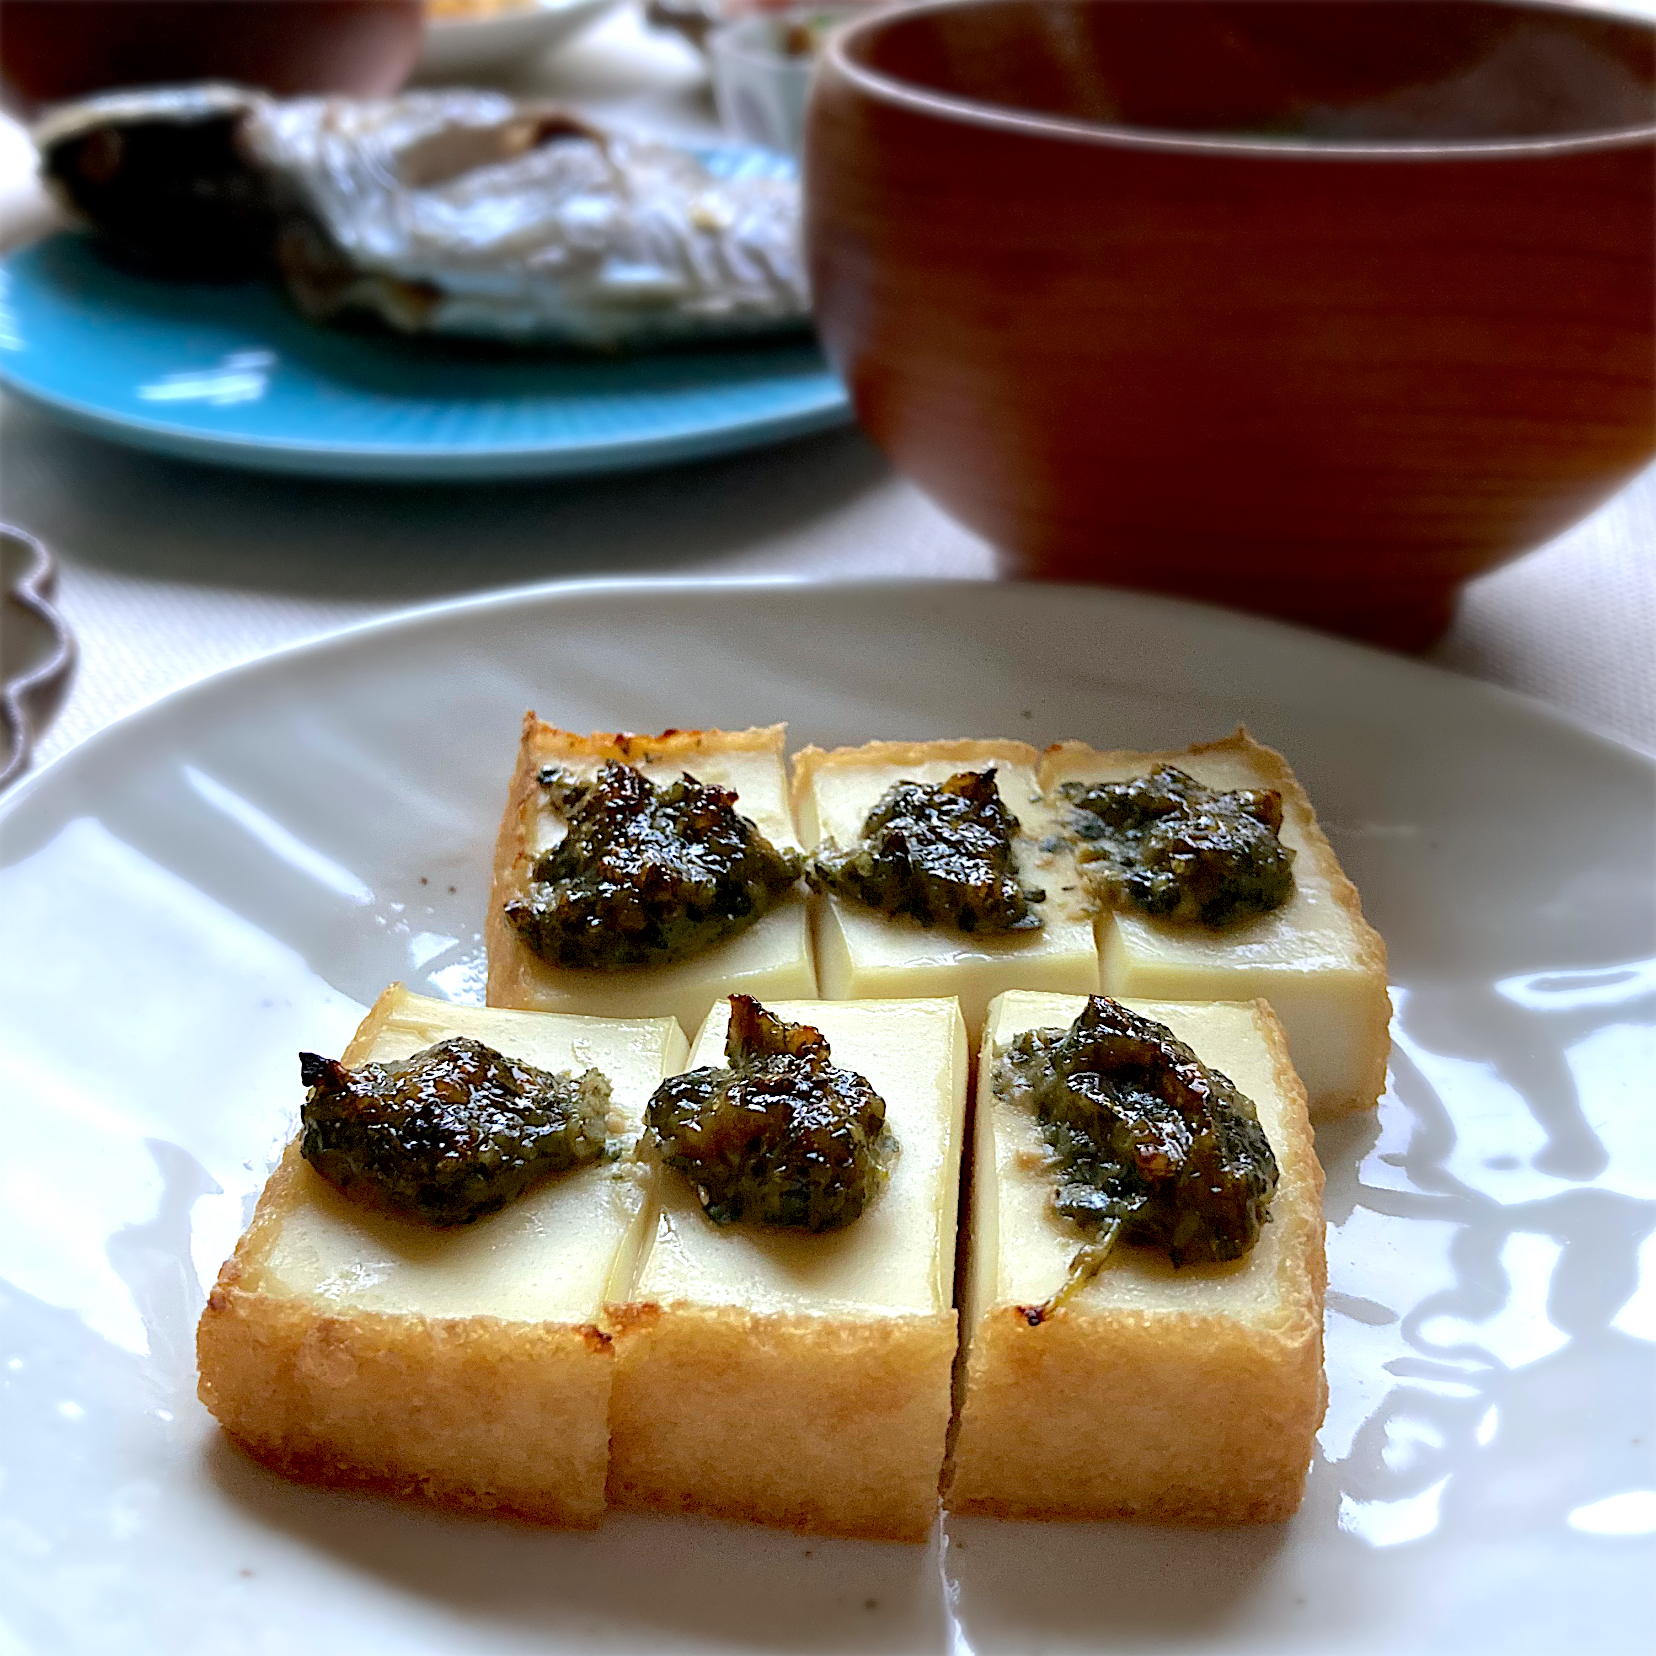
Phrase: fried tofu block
[1316,960]
[803,1380]
[1168,1395]
[771,958]
[465,1363]
[863,954]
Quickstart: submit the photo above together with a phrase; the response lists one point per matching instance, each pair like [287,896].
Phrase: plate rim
[340,640]
[388,463]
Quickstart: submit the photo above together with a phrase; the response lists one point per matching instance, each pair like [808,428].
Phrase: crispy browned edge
[1371,947]
[515,972]
[1166,1419]
[809,761]
[471,1413]
[824,1425]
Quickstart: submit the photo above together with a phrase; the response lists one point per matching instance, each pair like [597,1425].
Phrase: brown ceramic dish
[1316,309]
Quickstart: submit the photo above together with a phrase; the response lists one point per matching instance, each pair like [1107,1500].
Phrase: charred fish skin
[165,180]
[449,212]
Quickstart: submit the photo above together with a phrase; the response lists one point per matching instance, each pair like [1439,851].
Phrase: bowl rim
[882,87]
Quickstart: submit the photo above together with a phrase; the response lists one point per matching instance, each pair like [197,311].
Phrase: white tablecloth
[171,571]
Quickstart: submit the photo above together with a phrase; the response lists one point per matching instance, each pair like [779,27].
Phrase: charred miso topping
[452,1133]
[940,854]
[1151,1145]
[646,875]
[1165,844]
[780,1137]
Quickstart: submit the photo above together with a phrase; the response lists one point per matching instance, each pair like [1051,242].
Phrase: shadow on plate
[650,1580]
[639,1581]
[1019,1586]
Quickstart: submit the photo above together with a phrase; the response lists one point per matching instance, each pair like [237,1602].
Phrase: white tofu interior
[546,1257]
[1022,1247]
[898,1256]
[771,959]
[1306,958]
[865,955]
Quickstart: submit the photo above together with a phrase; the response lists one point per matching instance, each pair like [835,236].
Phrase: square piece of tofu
[1168,1395]
[772,958]
[1316,960]
[803,1380]
[863,954]
[463,1363]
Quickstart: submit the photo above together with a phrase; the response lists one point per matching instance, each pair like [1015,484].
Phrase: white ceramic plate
[197,892]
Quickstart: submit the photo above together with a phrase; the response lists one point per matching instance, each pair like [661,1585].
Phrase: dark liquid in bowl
[1337,71]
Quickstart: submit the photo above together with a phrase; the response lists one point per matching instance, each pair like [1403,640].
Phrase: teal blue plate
[232,375]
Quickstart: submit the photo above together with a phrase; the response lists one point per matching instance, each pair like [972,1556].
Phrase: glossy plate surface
[231,374]
[232,874]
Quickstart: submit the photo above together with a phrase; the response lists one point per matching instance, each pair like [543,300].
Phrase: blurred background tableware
[56,49]
[472,39]
[37,650]
[233,374]
[647,305]
[1311,309]
[762,66]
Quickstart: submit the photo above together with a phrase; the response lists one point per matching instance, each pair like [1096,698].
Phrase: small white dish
[493,38]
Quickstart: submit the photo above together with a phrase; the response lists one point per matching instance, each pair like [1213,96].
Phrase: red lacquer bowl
[1311,308]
